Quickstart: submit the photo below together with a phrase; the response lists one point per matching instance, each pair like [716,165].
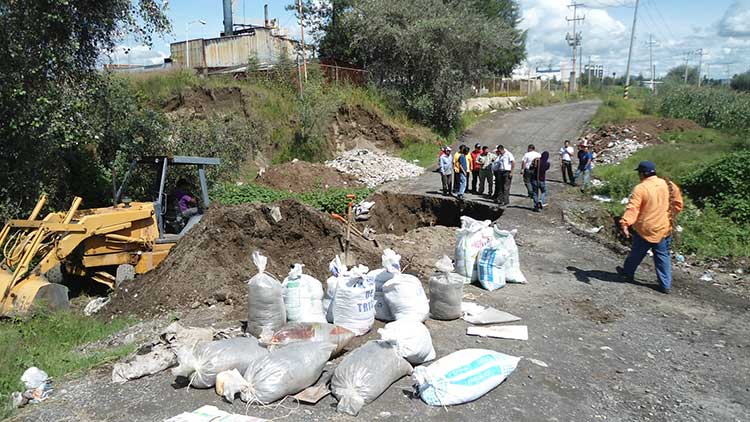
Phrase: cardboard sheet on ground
[213,414]
[490,316]
[313,394]
[511,332]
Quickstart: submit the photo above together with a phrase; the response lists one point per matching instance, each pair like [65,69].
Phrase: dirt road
[614,351]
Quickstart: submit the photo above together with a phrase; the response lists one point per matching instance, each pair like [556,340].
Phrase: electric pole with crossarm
[574,41]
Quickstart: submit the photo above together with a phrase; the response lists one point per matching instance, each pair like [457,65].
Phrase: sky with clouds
[720,27]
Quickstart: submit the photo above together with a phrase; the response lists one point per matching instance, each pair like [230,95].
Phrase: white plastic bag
[303,297]
[365,373]
[491,265]
[463,376]
[411,339]
[201,363]
[513,272]
[230,383]
[285,371]
[33,377]
[446,291]
[265,300]
[337,269]
[406,298]
[391,266]
[470,239]
[354,301]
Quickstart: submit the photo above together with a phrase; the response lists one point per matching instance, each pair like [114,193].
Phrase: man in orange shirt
[651,213]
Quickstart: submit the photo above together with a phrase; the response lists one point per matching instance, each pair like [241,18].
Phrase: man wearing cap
[566,162]
[486,158]
[445,163]
[475,167]
[502,170]
[526,161]
[651,213]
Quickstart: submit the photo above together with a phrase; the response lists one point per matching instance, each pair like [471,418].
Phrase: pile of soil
[656,126]
[213,262]
[356,127]
[301,176]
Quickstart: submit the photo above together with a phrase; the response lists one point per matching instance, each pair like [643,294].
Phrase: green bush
[716,108]
[724,184]
[708,233]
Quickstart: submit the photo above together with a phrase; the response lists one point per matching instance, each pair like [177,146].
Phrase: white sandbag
[353,301]
[202,362]
[446,291]
[470,239]
[265,300]
[463,376]
[285,371]
[513,272]
[391,266]
[491,265]
[159,359]
[365,373]
[337,269]
[303,297]
[411,339]
[406,298]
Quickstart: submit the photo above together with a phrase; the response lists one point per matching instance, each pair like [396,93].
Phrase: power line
[664,21]
[574,41]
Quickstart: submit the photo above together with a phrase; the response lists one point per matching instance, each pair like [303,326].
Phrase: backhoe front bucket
[31,292]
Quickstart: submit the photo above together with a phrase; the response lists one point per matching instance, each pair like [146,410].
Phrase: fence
[506,86]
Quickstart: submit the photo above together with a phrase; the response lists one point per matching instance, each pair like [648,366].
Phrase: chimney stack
[228,23]
[265,14]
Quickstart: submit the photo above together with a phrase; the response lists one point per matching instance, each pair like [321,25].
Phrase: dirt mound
[197,103]
[301,176]
[656,126]
[356,127]
[213,260]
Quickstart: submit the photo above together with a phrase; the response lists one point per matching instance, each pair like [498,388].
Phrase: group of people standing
[494,170]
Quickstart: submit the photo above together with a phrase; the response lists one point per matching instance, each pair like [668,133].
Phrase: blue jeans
[662,261]
[461,185]
[586,177]
[539,193]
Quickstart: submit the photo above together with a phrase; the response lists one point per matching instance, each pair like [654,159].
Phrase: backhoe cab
[108,245]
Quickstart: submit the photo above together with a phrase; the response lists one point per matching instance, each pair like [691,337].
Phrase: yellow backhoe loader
[108,245]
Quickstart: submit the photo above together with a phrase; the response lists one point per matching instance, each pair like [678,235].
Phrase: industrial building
[236,45]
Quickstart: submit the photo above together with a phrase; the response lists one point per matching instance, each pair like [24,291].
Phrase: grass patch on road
[50,342]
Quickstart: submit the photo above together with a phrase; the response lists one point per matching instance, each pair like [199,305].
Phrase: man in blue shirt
[446,170]
[585,163]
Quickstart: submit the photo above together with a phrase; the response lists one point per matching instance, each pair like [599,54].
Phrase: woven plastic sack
[365,373]
[303,297]
[446,291]
[470,239]
[312,331]
[463,376]
[491,265]
[337,269]
[354,301]
[411,339]
[285,371]
[265,300]
[202,362]
[406,298]
[513,272]
[391,266]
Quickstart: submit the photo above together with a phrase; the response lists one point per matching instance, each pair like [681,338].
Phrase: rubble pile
[613,144]
[373,168]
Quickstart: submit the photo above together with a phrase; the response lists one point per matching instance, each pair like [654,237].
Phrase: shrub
[709,107]
[708,233]
[326,200]
[723,184]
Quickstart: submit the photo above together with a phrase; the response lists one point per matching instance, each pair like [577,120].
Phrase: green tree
[53,123]
[741,82]
[677,74]
[502,62]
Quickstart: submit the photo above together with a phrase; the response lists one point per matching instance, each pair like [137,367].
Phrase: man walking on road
[651,213]
[475,167]
[502,170]
[526,161]
[566,162]
[585,163]
[445,163]
[486,158]
[539,181]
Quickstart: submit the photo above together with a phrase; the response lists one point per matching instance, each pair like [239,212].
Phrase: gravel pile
[374,168]
[613,144]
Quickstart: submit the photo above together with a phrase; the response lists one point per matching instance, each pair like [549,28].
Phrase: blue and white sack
[391,262]
[491,263]
[354,301]
[470,239]
[463,376]
[513,272]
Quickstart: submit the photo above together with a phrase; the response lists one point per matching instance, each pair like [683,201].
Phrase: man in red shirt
[476,166]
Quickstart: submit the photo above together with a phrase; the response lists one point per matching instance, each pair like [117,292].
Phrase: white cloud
[736,20]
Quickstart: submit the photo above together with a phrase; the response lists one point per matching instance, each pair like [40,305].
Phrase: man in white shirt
[526,161]
[566,163]
[502,169]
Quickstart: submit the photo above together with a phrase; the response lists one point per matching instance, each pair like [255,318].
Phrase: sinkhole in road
[401,212]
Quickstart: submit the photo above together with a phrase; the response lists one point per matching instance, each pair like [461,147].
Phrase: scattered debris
[374,168]
[607,348]
[95,305]
[38,388]
[159,359]
[707,276]
[595,230]
[602,198]
[480,315]
[537,362]
[510,332]
[213,414]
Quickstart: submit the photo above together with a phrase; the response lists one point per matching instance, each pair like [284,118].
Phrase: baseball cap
[646,167]
[477,145]
[448,149]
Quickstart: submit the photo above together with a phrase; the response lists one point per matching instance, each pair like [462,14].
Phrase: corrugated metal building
[265,44]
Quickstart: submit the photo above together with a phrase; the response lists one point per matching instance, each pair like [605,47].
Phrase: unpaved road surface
[614,351]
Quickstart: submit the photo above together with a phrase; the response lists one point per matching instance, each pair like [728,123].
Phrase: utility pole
[687,67]
[630,51]
[700,64]
[589,71]
[651,58]
[574,41]
[302,38]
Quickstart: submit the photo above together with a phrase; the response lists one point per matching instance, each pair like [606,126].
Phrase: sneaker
[663,290]
[624,277]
